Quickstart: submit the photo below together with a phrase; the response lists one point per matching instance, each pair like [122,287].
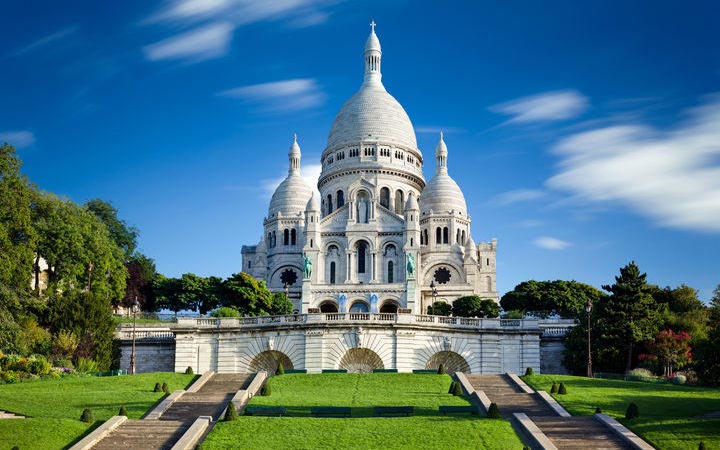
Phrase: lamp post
[434,296]
[132,353]
[588,310]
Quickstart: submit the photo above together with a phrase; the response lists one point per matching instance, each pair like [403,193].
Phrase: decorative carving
[358,337]
[271,343]
[288,276]
[447,343]
[361,360]
[442,275]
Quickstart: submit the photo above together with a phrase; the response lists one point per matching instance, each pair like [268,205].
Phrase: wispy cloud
[551,243]
[18,139]
[517,196]
[200,16]
[279,96]
[46,40]
[672,177]
[433,129]
[208,42]
[544,107]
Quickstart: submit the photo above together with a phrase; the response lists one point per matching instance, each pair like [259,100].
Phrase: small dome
[442,194]
[291,197]
[411,203]
[312,204]
[372,43]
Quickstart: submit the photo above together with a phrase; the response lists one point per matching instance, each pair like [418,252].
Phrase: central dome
[372,115]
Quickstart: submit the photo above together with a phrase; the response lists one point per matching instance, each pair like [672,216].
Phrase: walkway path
[565,432]
[210,400]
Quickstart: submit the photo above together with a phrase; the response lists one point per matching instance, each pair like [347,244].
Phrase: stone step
[9,415]
[579,433]
[143,434]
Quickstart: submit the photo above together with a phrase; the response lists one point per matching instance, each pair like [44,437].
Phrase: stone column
[314,351]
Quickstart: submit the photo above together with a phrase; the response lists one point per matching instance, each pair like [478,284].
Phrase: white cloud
[18,139]
[551,243]
[310,173]
[207,42]
[280,96]
[544,107]
[46,40]
[517,196]
[671,176]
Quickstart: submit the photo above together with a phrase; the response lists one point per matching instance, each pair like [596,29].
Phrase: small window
[385,197]
[293,237]
[390,274]
[340,199]
[332,272]
[286,237]
[445,235]
[438,235]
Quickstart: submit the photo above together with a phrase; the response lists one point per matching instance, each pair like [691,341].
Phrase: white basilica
[380,237]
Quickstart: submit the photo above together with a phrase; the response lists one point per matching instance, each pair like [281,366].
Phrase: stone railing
[556,327]
[145,335]
[360,318]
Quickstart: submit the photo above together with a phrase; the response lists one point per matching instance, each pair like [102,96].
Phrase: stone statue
[307,266]
[410,264]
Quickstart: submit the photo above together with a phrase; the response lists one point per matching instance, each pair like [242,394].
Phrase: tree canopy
[474,306]
[561,298]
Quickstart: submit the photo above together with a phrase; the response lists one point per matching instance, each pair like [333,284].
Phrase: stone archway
[328,307]
[389,306]
[269,360]
[452,362]
[361,360]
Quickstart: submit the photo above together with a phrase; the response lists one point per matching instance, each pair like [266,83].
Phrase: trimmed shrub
[87,416]
[701,446]
[679,379]
[452,386]
[562,390]
[123,411]
[17,447]
[231,413]
[165,388]
[441,370]
[157,388]
[529,371]
[457,390]
[265,391]
[640,374]
[632,411]
[598,410]
[493,411]
[189,371]
[280,370]
[554,388]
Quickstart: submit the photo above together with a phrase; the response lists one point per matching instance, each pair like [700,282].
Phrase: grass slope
[668,413]
[55,406]
[427,429]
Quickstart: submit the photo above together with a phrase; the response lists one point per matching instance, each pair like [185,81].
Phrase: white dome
[291,197]
[372,115]
[442,195]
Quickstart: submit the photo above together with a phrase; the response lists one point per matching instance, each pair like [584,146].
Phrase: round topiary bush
[632,411]
[441,370]
[598,410]
[562,390]
[189,371]
[123,411]
[554,388]
[157,388]
[701,446]
[165,388]
[231,413]
[457,390]
[529,371]
[280,369]
[17,447]
[493,411]
[265,391]
[87,416]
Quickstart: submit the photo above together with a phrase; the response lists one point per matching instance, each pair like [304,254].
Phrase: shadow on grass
[89,430]
[368,412]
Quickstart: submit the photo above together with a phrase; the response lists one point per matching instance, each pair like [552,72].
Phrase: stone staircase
[565,432]
[9,415]
[210,400]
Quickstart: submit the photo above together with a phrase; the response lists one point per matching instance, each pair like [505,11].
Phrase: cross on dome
[372,25]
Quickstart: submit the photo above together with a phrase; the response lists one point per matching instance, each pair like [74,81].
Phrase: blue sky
[583,134]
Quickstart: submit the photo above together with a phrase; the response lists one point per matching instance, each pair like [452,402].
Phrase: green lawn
[426,429]
[54,406]
[668,413]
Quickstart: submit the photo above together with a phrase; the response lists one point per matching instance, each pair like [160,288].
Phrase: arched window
[340,199]
[361,250]
[462,237]
[399,201]
[329,204]
[457,237]
[385,197]
[269,240]
[390,272]
[274,239]
[286,237]
[438,235]
[359,307]
[332,272]
[426,237]
[445,235]
[293,237]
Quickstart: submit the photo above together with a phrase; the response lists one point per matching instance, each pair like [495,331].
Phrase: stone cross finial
[372,25]
[295,137]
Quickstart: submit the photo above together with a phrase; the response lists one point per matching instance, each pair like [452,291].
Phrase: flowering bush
[672,350]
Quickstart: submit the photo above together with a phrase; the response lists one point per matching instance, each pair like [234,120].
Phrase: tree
[167,294]
[440,309]
[199,293]
[141,273]
[474,306]
[561,298]
[630,314]
[707,352]
[246,294]
[17,234]
[682,311]
[121,233]
[672,350]
[281,304]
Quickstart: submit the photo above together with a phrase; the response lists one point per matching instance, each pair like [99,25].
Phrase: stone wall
[158,356]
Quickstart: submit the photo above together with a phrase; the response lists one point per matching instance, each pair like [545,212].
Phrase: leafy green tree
[440,309]
[672,350]
[199,293]
[281,304]
[474,306]
[682,311]
[121,233]
[249,296]
[629,315]
[707,352]
[561,298]
[17,234]
[167,294]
